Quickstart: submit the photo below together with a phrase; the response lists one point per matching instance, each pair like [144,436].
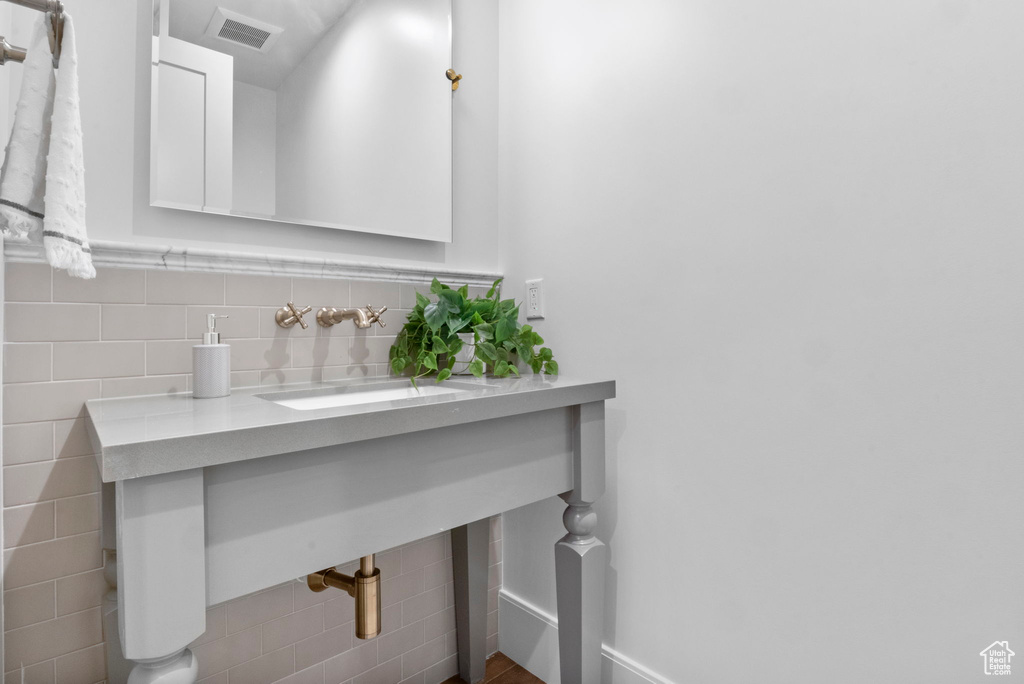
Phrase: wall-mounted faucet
[363,318]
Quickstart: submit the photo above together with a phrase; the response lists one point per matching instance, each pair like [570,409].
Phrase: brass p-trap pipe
[364,587]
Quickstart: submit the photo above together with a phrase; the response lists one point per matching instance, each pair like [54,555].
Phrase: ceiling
[304,23]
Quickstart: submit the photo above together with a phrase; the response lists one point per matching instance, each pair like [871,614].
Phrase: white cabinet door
[191,157]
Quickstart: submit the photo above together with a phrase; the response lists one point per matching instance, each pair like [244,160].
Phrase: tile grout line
[54,619]
[47,541]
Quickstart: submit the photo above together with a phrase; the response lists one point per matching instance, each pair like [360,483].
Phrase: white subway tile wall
[131,332]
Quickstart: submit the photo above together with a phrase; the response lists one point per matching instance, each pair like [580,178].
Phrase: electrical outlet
[534,298]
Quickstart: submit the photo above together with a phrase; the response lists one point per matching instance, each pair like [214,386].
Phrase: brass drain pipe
[364,587]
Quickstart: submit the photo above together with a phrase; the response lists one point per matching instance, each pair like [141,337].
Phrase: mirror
[332,113]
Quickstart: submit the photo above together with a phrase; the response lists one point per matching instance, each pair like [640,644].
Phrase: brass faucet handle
[375,316]
[454,78]
[287,316]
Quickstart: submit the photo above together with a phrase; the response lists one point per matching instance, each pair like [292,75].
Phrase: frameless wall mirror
[333,113]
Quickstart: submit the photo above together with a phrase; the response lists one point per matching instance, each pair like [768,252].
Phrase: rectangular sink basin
[332,397]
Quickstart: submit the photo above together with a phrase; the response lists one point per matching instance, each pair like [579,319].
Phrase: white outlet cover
[534,299]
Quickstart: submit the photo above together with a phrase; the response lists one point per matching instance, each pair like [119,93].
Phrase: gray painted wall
[791,231]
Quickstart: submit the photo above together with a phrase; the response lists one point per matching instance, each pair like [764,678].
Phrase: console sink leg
[177,668]
[580,557]
[469,563]
[580,560]
[161,574]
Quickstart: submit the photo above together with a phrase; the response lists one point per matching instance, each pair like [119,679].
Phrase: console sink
[212,499]
[308,400]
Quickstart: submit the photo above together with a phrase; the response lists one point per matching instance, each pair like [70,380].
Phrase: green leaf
[476,367]
[421,300]
[439,347]
[512,369]
[476,319]
[551,368]
[501,369]
[455,324]
[443,375]
[536,364]
[397,365]
[494,288]
[484,307]
[453,298]
[485,331]
[436,286]
[436,314]
[546,354]
[506,327]
[487,351]
[464,291]
[430,361]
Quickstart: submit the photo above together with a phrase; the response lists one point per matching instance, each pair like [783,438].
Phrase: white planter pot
[465,355]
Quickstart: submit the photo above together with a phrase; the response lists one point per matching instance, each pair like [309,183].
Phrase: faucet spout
[363,318]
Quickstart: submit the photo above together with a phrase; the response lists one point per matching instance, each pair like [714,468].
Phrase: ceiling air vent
[241,30]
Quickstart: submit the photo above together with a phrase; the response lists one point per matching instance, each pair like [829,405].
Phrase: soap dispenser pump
[211,364]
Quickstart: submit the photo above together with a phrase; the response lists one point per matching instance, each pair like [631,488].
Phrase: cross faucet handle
[287,316]
[374,316]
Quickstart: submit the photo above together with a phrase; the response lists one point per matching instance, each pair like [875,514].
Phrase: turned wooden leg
[580,560]
[580,557]
[161,575]
[469,563]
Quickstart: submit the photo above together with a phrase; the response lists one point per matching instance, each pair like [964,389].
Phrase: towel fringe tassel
[18,227]
[62,255]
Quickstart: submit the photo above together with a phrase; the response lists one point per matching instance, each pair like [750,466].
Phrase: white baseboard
[529,636]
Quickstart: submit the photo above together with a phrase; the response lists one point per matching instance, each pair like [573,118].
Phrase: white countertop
[150,435]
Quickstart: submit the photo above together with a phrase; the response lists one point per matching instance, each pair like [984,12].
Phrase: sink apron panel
[273,519]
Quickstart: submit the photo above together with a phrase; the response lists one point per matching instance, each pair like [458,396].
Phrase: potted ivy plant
[438,331]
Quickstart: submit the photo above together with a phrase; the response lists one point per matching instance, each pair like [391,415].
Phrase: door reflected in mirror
[332,113]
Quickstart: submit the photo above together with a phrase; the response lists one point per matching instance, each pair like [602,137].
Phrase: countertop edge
[146,458]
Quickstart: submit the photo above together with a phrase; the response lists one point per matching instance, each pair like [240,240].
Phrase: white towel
[23,178]
[42,185]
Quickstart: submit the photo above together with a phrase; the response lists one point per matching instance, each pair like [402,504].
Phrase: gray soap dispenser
[211,364]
